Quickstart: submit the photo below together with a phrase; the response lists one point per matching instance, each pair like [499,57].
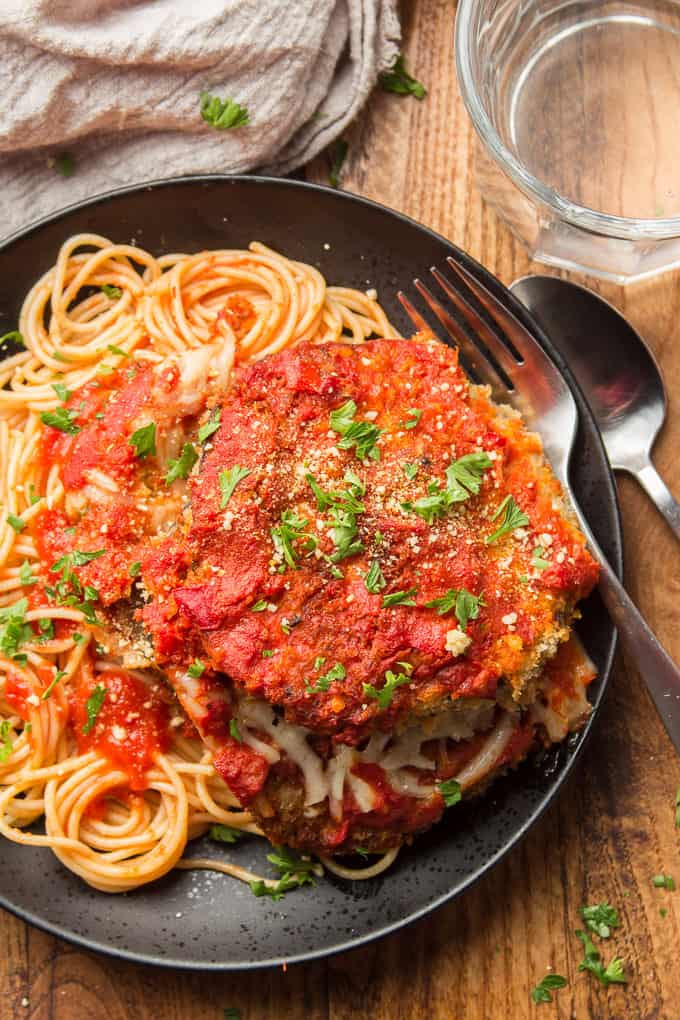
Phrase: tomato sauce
[131,727]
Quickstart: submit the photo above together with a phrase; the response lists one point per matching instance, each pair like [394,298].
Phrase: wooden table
[611,829]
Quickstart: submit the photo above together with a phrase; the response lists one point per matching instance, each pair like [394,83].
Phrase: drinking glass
[576,105]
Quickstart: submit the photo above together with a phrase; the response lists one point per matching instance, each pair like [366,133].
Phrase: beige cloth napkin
[116,83]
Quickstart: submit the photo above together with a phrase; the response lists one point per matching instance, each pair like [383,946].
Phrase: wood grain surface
[612,828]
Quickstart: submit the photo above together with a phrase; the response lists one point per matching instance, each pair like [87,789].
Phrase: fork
[507,358]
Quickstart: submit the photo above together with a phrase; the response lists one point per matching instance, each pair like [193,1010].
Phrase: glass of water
[576,104]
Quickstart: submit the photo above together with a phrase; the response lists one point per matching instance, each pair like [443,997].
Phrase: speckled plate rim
[493,284]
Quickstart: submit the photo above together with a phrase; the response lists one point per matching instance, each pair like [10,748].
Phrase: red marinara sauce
[131,727]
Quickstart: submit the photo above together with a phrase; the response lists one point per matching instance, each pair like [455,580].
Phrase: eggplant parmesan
[360,581]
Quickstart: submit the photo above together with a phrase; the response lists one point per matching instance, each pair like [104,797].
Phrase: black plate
[204,920]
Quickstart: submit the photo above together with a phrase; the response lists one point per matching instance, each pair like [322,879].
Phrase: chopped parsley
[223,114]
[64,164]
[144,441]
[538,561]
[375,579]
[113,292]
[69,590]
[288,533]
[60,673]
[664,882]
[118,350]
[61,392]
[362,435]
[397,79]
[196,669]
[259,606]
[26,575]
[229,479]
[105,369]
[386,693]
[135,569]
[601,918]
[46,628]
[18,523]
[337,672]
[78,638]
[211,425]
[235,731]
[513,517]
[93,706]
[611,974]
[450,791]
[294,870]
[63,419]
[465,604]
[6,747]
[14,630]
[463,479]
[225,833]
[410,470]
[34,498]
[415,415]
[343,509]
[546,986]
[267,653]
[339,156]
[400,598]
[181,467]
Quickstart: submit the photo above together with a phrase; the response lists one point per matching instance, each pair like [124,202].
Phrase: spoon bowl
[616,371]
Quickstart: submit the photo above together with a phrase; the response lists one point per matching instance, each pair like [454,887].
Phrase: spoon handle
[657,490]
[656,667]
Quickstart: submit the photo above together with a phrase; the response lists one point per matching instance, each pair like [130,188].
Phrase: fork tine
[483,368]
[414,315]
[518,335]
[486,335]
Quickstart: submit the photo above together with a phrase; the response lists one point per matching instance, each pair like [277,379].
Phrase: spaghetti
[100,308]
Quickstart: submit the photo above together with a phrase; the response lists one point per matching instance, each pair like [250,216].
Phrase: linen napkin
[117,84]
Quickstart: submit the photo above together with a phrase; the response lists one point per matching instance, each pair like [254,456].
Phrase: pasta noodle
[102,305]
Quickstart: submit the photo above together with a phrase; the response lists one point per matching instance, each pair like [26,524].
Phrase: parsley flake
[375,579]
[362,435]
[466,605]
[181,467]
[61,392]
[267,653]
[450,791]
[113,293]
[259,606]
[63,419]
[546,986]
[59,675]
[337,672]
[664,882]
[538,561]
[397,80]
[611,974]
[93,706]
[601,918]
[400,598]
[144,441]
[211,425]
[225,833]
[229,479]
[235,731]
[14,337]
[288,533]
[196,669]
[410,470]
[295,871]
[7,745]
[223,114]
[14,630]
[18,523]
[135,569]
[386,693]
[513,517]
[26,575]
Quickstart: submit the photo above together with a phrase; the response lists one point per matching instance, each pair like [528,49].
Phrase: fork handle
[656,667]
[657,490]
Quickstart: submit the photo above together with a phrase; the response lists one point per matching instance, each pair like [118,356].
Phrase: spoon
[616,371]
